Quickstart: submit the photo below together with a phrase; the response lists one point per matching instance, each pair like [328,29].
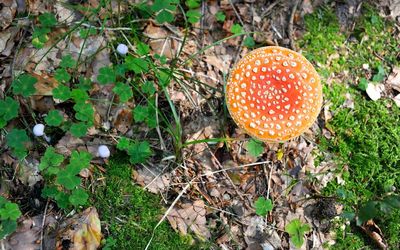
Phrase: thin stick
[269,180]
[43,222]
[162,143]
[290,25]
[167,212]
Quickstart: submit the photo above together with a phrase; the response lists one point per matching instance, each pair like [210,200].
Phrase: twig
[162,143]
[290,25]
[104,28]
[43,222]
[236,13]
[270,7]
[167,212]
[269,180]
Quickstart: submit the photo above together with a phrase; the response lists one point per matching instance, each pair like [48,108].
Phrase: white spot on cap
[271,132]
[291,118]
[291,76]
[243,85]
[294,64]
[263,69]
[271,112]
[287,107]
[247,74]
[237,76]
[252,125]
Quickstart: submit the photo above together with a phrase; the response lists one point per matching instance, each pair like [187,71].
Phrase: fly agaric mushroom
[274,94]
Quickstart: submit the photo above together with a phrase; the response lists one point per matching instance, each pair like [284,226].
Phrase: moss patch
[367,137]
[129,214]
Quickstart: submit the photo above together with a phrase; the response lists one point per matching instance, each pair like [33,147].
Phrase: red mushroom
[274,94]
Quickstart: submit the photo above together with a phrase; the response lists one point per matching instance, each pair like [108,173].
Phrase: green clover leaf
[148,88]
[236,29]
[263,206]
[193,16]
[54,118]
[24,85]
[139,152]
[8,108]
[254,147]
[84,111]
[16,140]
[138,65]
[62,92]
[124,91]
[62,75]
[67,62]
[79,129]
[50,159]
[296,231]
[67,179]
[106,75]
[47,20]
[220,16]
[78,197]
[10,211]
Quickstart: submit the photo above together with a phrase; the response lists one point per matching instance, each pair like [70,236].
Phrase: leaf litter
[224,180]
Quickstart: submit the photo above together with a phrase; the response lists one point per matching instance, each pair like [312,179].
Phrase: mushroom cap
[122,49]
[103,151]
[38,129]
[274,94]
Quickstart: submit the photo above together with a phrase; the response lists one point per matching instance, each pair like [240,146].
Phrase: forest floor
[181,174]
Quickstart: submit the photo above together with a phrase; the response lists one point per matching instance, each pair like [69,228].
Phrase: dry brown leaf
[123,120]
[28,171]
[81,232]
[160,41]
[375,233]
[7,12]
[190,216]
[68,143]
[394,78]
[154,180]
[45,84]
[27,236]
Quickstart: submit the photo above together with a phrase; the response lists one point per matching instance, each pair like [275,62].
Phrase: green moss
[367,137]
[129,214]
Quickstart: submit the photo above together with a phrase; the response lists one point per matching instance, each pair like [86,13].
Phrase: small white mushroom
[103,151]
[38,130]
[122,49]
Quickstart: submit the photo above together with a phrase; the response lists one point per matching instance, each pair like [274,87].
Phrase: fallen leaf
[81,232]
[28,234]
[393,79]
[373,231]
[7,12]
[396,100]
[190,216]
[373,92]
[153,180]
